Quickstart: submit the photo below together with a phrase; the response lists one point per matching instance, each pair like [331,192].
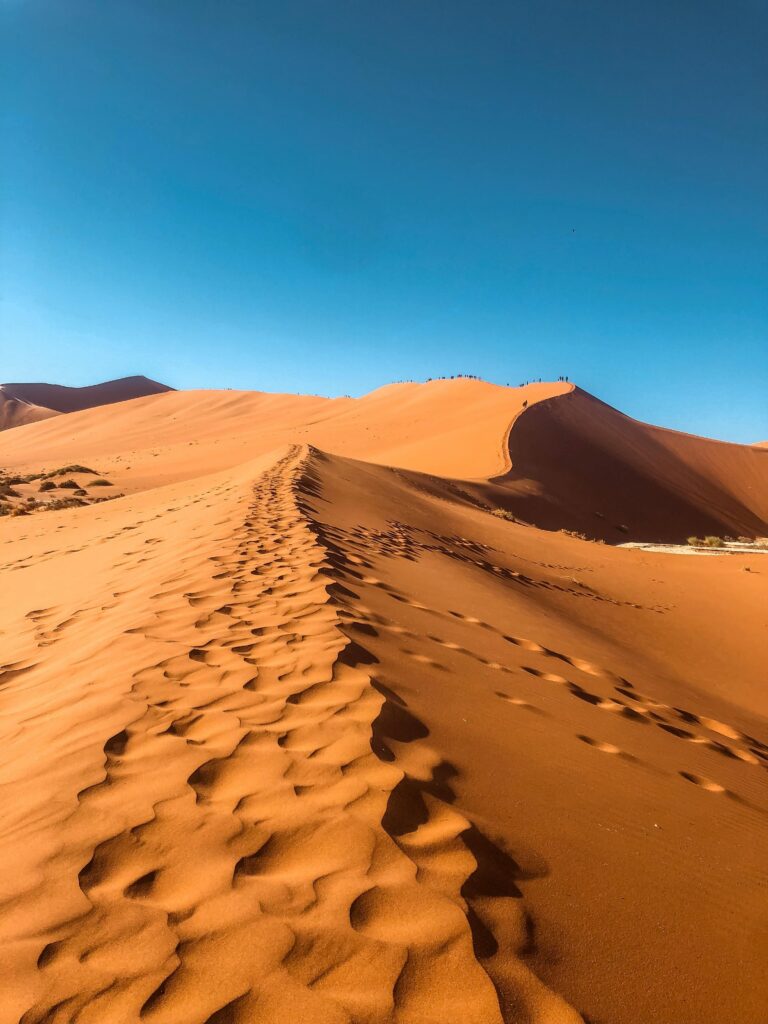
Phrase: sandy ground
[291,735]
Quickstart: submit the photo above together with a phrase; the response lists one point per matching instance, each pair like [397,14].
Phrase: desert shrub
[714,542]
[694,542]
[24,478]
[71,484]
[58,503]
[6,491]
[101,482]
[574,533]
[502,513]
[47,485]
[80,493]
[70,469]
[622,528]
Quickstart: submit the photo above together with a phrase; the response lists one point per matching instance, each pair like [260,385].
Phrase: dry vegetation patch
[21,494]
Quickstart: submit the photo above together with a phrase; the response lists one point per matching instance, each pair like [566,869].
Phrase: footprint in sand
[609,748]
[606,748]
[703,782]
[548,677]
[519,703]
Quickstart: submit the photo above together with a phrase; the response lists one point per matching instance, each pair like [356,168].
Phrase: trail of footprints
[409,543]
[264,863]
[622,698]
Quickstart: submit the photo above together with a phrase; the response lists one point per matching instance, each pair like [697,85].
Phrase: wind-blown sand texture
[301,729]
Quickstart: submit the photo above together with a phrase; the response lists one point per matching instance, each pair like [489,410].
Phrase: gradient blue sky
[326,195]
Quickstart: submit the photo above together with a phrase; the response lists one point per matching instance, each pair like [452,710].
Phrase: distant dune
[26,403]
[15,412]
[301,721]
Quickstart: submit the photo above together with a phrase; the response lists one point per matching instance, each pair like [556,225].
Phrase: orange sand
[292,735]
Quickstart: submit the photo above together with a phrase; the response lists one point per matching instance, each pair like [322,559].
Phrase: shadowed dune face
[581,465]
[289,735]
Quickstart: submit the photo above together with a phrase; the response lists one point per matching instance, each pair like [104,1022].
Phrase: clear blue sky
[325,195]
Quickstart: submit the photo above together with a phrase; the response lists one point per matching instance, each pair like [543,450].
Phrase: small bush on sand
[73,485]
[58,503]
[80,493]
[47,485]
[26,478]
[694,542]
[101,482]
[714,542]
[574,533]
[70,469]
[6,491]
[502,513]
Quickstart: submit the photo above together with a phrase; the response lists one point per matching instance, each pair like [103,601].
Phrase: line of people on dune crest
[473,376]
[563,377]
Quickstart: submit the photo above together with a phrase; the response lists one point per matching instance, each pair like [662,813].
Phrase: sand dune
[15,412]
[44,400]
[579,464]
[457,428]
[303,731]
